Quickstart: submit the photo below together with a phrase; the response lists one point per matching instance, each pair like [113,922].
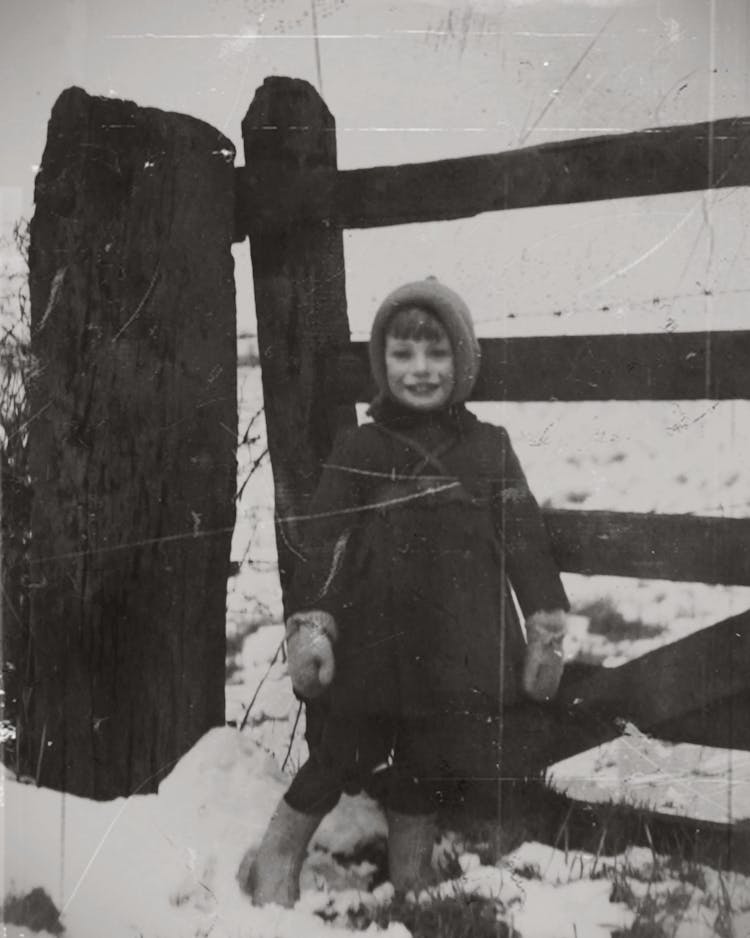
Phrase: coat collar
[454,419]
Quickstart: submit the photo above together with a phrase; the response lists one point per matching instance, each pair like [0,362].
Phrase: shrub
[16,373]
[35,911]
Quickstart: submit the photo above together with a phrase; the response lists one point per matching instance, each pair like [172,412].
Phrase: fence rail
[651,366]
[651,546]
[684,158]
[674,681]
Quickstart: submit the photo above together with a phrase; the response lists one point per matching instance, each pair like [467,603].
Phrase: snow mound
[158,865]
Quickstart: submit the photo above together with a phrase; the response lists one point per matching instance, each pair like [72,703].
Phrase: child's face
[420,372]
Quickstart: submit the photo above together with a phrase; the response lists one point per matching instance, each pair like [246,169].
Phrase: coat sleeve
[325,533]
[530,566]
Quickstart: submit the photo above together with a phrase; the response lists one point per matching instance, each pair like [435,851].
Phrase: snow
[148,863]
[166,865]
[682,779]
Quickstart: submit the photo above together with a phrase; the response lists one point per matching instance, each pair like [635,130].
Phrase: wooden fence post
[300,300]
[132,443]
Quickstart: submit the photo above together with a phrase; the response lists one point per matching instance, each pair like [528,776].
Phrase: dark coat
[414,558]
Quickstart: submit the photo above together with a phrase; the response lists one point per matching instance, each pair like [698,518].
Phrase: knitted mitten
[543,664]
[309,641]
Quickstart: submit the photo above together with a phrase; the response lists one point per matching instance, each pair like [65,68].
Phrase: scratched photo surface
[202,207]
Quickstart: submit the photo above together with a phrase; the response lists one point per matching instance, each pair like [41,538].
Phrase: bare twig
[40,757]
[260,684]
[291,737]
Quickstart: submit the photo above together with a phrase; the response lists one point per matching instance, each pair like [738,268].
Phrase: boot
[273,875]
[411,838]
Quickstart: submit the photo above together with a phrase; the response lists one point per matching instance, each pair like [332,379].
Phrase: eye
[400,353]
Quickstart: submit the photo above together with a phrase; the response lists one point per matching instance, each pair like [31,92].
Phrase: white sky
[410,81]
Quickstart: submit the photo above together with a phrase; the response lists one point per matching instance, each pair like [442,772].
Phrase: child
[406,630]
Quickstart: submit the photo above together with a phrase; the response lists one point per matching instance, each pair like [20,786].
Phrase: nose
[420,363]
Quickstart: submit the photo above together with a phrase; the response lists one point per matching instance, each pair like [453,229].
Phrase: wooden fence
[134,420]
[293,204]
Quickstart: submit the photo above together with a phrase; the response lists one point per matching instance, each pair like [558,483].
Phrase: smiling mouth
[423,388]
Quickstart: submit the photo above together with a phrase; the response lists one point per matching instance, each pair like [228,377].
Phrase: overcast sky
[410,81]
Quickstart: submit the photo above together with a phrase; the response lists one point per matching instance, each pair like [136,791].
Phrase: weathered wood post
[300,299]
[132,443]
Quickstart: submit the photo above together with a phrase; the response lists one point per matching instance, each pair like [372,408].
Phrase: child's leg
[411,810]
[315,790]
[274,874]
[346,750]
[411,840]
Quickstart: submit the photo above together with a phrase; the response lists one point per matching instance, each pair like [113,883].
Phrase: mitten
[543,664]
[309,642]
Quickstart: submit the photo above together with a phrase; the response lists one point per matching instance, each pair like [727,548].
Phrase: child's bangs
[413,322]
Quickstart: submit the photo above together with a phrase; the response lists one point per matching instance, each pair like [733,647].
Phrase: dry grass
[606,620]
[461,915]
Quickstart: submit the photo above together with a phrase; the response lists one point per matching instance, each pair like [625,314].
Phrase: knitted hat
[454,316]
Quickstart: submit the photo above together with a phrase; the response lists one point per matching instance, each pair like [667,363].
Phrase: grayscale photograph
[375,450]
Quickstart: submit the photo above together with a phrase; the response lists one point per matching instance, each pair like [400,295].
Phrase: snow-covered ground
[166,865]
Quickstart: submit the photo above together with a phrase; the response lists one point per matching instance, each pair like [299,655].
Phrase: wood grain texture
[132,443]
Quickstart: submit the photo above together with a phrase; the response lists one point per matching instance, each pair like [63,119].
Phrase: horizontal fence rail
[704,668]
[654,366]
[685,548]
[684,158]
